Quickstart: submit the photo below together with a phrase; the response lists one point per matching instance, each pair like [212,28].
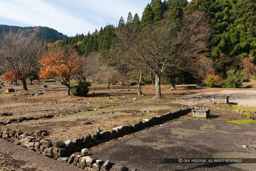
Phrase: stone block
[220,99]
[9,90]
[201,113]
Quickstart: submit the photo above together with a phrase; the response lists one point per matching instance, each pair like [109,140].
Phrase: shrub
[234,79]
[214,80]
[81,89]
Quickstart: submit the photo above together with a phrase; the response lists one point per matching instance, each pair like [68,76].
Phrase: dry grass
[102,108]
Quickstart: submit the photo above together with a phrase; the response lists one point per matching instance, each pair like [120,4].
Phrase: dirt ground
[17,158]
[105,109]
[77,116]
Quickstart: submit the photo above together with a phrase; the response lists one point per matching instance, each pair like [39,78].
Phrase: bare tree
[20,55]
[162,48]
[91,67]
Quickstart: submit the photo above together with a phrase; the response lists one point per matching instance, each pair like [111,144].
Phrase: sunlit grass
[243,108]
[242,122]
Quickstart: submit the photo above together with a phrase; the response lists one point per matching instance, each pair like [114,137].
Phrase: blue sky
[68,16]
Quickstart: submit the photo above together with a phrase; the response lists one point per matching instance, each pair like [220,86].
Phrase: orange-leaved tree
[61,64]
[10,76]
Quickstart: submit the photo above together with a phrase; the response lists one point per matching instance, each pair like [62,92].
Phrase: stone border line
[77,149]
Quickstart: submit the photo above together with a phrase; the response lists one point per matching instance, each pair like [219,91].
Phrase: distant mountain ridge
[41,33]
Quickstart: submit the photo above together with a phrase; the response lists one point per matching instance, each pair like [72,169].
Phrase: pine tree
[147,17]
[121,22]
[157,9]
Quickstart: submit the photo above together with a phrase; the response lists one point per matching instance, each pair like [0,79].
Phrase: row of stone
[84,160]
[89,140]
[60,149]
[22,119]
[57,149]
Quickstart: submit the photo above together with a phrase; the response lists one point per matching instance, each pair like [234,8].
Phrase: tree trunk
[31,82]
[108,84]
[68,91]
[24,84]
[158,86]
[139,84]
[151,77]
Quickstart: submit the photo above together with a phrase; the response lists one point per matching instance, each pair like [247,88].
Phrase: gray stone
[220,99]
[99,162]
[63,159]
[68,143]
[105,135]
[89,161]
[87,139]
[118,168]
[106,166]
[95,167]
[46,143]
[82,162]
[37,145]
[201,113]
[72,158]
[59,152]
[9,90]
[49,152]
[85,152]
[58,144]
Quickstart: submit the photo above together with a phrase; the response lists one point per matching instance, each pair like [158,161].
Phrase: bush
[234,79]
[214,80]
[81,89]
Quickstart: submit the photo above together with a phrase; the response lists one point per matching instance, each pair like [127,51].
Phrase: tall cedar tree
[181,3]
[147,17]
[136,19]
[121,23]
[129,18]
[175,14]
[157,9]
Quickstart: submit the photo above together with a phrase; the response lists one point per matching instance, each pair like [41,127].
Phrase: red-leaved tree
[10,76]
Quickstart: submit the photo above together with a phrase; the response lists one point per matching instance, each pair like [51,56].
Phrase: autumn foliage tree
[61,64]
[10,76]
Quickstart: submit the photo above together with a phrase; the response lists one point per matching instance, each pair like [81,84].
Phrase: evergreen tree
[121,22]
[136,19]
[95,44]
[147,17]
[157,9]
[200,5]
[129,18]
[175,13]
[245,27]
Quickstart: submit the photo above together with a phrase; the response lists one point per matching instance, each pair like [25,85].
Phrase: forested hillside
[232,23]
[41,33]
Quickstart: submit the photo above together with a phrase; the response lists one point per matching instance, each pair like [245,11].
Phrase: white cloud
[36,12]
[68,16]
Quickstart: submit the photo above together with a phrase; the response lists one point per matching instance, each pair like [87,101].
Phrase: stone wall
[74,148]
